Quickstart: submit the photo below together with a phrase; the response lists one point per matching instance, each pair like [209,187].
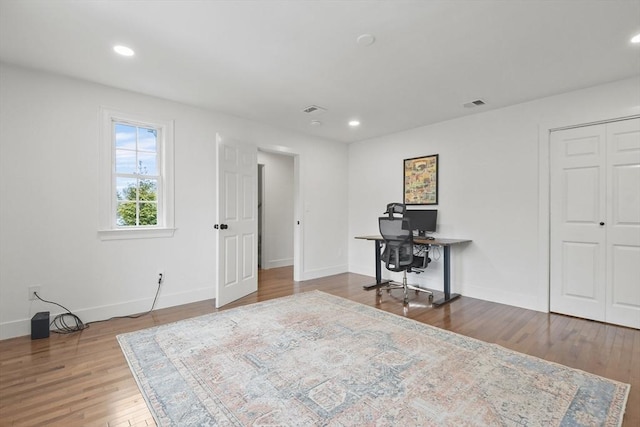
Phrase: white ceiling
[267,60]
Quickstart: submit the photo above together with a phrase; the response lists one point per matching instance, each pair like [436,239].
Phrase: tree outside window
[137,180]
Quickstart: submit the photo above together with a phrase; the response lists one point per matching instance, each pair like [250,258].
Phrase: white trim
[135,233]
[107,230]
[298,218]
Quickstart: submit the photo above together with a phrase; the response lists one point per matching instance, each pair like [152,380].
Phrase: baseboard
[501,297]
[277,263]
[22,327]
[365,270]
[323,272]
[432,279]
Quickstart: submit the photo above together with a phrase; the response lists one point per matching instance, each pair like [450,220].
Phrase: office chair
[398,252]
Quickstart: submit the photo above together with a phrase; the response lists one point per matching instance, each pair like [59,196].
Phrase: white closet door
[623,223]
[578,208]
[595,222]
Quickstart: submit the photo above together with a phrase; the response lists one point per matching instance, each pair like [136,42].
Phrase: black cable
[63,327]
[136,315]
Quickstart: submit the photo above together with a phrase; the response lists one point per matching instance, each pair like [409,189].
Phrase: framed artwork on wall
[421,180]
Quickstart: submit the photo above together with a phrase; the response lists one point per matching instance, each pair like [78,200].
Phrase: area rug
[314,359]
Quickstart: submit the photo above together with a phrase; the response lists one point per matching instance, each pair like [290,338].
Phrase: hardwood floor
[82,379]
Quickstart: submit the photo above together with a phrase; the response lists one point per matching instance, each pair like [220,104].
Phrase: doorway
[277,180]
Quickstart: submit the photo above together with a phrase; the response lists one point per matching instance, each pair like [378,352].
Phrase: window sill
[138,233]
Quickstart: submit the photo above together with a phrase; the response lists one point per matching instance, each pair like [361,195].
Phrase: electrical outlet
[32,292]
[160,277]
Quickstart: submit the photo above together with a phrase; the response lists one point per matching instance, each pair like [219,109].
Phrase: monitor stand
[423,234]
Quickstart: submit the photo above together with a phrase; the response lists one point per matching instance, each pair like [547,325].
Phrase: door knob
[602,223]
[223,226]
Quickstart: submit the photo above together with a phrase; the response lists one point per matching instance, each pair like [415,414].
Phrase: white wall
[49,129]
[492,190]
[277,208]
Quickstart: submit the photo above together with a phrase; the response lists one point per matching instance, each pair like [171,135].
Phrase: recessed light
[354,123]
[315,123]
[635,39]
[123,50]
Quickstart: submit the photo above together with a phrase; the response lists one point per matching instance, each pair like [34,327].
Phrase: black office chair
[398,252]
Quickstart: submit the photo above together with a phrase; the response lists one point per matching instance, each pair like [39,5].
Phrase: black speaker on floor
[40,325]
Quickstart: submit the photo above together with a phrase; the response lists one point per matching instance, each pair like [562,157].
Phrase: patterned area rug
[314,359]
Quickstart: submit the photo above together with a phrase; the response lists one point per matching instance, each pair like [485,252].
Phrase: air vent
[476,103]
[314,109]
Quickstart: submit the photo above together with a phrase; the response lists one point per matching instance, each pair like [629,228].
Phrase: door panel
[230,261]
[581,269]
[237,221]
[626,203]
[248,259]
[623,227]
[577,208]
[582,197]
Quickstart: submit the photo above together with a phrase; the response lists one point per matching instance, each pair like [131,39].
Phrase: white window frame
[108,228]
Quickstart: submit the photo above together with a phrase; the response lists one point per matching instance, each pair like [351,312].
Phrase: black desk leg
[378,269]
[448,296]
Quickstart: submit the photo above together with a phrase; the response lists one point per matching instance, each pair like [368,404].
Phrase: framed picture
[421,180]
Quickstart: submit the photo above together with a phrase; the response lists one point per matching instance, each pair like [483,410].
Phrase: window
[136,177]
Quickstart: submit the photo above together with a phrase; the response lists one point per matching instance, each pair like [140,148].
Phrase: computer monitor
[422,221]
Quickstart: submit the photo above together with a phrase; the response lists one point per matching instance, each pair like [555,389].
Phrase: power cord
[62,327]
[436,253]
[65,326]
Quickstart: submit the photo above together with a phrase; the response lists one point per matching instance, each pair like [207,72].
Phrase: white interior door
[578,209]
[237,224]
[595,222]
[623,223]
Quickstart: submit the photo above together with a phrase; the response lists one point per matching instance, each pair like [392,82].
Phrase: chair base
[389,285]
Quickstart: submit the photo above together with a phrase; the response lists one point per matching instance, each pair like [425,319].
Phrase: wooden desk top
[437,241]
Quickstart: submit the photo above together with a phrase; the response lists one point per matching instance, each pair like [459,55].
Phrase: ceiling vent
[314,109]
[476,103]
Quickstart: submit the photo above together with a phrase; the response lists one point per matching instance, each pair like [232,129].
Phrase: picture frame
[420,180]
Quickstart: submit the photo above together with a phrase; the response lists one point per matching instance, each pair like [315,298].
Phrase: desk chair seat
[398,254]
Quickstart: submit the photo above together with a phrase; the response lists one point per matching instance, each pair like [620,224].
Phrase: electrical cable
[64,326]
[436,253]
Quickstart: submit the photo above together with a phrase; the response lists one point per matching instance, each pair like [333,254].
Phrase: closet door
[595,222]
[623,223]
[578,209]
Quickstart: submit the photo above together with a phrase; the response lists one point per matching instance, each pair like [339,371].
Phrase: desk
[446,246]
